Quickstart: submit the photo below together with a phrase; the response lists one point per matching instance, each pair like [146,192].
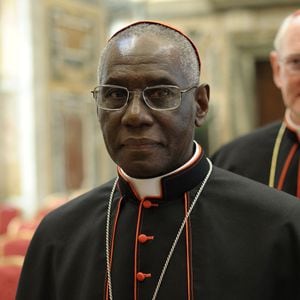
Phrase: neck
[294,118]
[292,122]
[151,187]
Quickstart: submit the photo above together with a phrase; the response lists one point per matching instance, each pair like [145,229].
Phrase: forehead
[291,41]
[142,56]
[143,45]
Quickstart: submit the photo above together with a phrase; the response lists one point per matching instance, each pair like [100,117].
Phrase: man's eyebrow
[162,80]
[149,82]
[295,54]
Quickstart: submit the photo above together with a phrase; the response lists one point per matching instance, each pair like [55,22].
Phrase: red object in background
[7,213]
[15,246]
[10,271]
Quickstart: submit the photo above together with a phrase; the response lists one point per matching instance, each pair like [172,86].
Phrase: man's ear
[274,60]
[202,99]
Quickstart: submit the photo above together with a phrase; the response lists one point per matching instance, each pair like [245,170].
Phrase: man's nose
[136,102]
[136,112]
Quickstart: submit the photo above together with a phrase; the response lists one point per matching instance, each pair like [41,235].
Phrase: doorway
[268,97]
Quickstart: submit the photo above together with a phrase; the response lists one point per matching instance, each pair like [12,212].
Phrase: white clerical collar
[151,187]
[290,123]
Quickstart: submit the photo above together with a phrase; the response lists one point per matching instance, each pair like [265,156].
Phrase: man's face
[143,142]
[285,76]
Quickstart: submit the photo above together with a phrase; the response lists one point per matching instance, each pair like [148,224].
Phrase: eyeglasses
[292,63]
[159,97]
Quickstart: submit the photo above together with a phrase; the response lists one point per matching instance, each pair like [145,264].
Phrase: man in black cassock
[170,226]
[271,154]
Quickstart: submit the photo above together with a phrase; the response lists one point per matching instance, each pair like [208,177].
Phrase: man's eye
[293,61]
[296,61]
[115,93]
[159,93]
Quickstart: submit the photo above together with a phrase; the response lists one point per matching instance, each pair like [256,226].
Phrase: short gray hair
[283,29]
[189,58]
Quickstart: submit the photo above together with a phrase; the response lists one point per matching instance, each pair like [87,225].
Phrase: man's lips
[139,143]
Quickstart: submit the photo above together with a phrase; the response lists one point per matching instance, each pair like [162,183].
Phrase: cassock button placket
[143,238]
[149,204]
[142,276]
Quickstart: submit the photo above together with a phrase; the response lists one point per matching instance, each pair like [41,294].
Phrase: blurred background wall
[50,142]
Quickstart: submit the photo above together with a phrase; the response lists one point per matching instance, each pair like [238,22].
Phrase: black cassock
[251,156]
[242,241]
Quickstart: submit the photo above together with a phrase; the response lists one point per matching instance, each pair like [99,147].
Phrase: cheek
[290,90]
[106,126]
[188,117]
[182,128]
[291,86]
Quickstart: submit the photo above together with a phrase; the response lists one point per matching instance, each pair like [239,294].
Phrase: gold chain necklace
[107,235]
[275,154]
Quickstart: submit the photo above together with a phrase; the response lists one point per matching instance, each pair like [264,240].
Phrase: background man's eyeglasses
[159,97]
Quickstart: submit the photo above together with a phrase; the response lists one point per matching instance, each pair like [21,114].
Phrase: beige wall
[60,43]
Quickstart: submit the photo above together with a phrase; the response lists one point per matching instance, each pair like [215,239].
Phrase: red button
[142,276]
[143,238]
[148,204]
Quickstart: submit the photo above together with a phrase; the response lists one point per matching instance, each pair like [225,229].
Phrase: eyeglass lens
[157,97]
[162,97]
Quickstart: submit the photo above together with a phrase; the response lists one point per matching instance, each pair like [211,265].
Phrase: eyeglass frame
[142,92]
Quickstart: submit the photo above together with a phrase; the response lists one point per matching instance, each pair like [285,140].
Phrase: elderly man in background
[170,226]
[271,154]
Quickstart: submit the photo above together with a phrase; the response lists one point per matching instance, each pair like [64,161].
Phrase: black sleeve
[37,276]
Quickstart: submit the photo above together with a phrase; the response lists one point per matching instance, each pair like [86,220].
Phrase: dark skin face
[143,142]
